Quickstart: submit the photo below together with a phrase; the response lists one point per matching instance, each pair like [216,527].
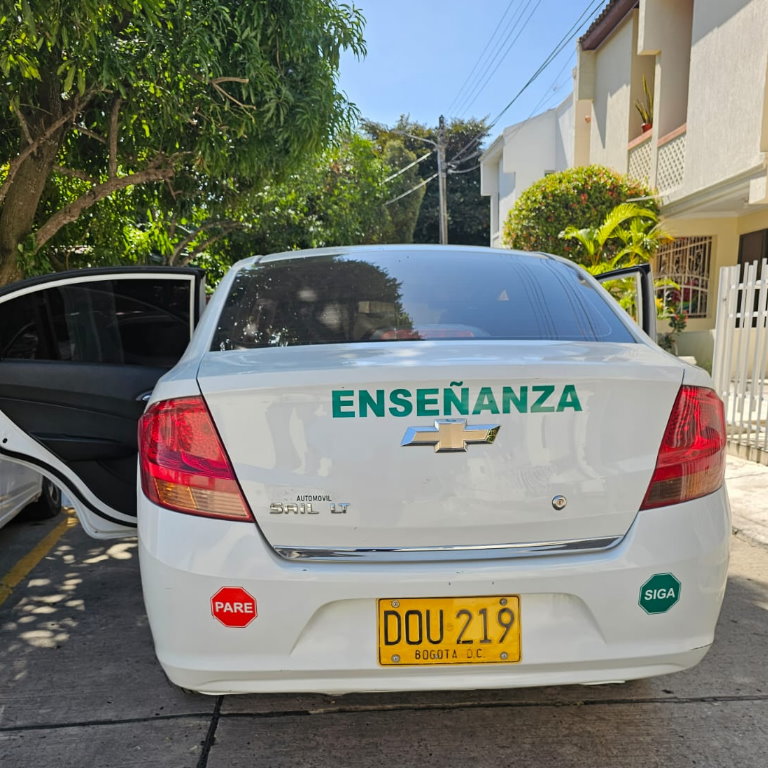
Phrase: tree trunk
[18,213]
[19,208]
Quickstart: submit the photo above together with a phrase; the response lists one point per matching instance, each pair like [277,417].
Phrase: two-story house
[522,154]
[705,65]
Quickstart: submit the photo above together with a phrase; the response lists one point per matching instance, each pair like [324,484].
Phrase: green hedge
[581,196]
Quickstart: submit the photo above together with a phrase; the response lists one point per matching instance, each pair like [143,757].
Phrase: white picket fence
[741,357]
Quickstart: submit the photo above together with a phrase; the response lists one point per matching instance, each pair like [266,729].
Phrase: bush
[580,197]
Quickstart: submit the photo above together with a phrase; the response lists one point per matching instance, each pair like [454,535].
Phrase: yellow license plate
[449,630]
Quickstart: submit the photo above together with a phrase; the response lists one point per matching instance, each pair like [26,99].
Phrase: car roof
[362,250]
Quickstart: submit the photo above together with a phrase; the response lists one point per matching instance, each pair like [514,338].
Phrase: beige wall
[611,105]
[698,338]
[751,223]
[642,66]
[727,85]
[665,32]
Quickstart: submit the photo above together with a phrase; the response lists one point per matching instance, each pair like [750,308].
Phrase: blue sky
[422,52]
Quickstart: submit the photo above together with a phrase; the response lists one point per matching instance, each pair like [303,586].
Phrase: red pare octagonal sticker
[233,607]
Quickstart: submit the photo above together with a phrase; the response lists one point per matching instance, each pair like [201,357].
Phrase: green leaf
[159,56]
[70,77]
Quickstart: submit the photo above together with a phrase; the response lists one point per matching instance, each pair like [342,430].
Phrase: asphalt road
[80,687]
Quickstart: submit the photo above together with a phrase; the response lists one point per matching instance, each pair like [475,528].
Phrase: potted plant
[644,107]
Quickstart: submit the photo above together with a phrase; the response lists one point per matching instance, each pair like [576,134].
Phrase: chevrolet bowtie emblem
[450,435]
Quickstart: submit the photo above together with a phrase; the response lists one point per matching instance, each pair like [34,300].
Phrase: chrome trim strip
[445,553]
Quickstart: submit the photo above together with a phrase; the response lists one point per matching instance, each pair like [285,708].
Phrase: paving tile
[175,743]
[75,645]
[669,735]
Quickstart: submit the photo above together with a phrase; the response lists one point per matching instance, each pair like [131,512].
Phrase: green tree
[468,210]
[579,197]
[200,99]
[337,199]
[402,214]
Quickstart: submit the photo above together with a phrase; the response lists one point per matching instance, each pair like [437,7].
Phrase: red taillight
[183,463]
[691,460]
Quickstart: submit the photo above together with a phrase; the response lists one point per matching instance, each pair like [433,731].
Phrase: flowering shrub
[678,320]
[580,197]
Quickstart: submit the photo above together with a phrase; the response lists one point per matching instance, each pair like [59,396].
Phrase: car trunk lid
[361,446]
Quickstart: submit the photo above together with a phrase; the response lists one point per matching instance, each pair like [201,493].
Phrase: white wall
[564,148]
[729,56]
[521,156]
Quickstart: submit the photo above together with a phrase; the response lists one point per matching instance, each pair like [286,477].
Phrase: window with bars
[686,261]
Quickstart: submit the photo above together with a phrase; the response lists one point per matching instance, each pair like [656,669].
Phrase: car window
[419,296]
[132,321]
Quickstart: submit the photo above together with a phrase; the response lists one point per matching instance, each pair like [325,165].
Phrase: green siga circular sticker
[659,593]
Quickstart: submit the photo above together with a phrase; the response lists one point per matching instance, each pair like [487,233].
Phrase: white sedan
[25,491]
[381,468]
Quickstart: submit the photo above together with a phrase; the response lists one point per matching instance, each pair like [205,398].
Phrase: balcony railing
[671,162]
[639,158]
[660,165]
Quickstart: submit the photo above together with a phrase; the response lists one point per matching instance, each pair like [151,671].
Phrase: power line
[496,56]
[412,189]
[481,86]
[533,111]
[454,172]
[485,52]
[410,165]
[567,37]
[553,87]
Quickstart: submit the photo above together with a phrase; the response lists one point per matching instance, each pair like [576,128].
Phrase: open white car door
[636,284]
[80,353]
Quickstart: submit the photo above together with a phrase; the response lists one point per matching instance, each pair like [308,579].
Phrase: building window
[686,261]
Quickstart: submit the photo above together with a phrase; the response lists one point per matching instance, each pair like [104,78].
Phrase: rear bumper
[316,626]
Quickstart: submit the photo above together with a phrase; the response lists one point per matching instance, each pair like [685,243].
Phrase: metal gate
[741,355]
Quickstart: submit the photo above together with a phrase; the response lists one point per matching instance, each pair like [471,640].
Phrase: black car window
[412,296]
[133,321]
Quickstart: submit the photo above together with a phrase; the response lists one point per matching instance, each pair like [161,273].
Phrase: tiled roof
[608,19]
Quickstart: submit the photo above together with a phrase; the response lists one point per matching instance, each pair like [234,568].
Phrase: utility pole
[441,177]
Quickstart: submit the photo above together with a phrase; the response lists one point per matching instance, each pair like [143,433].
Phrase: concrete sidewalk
[747,483]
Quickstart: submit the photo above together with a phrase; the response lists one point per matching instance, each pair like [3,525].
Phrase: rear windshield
[412,296]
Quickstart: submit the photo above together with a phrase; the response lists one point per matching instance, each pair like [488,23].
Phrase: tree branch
[210,241]
[215,83]
[24,125]
[183,243]
[72,211]
[171,191]
[46,135]
[88,132]
[75,174]
[190,236]
[114,128]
